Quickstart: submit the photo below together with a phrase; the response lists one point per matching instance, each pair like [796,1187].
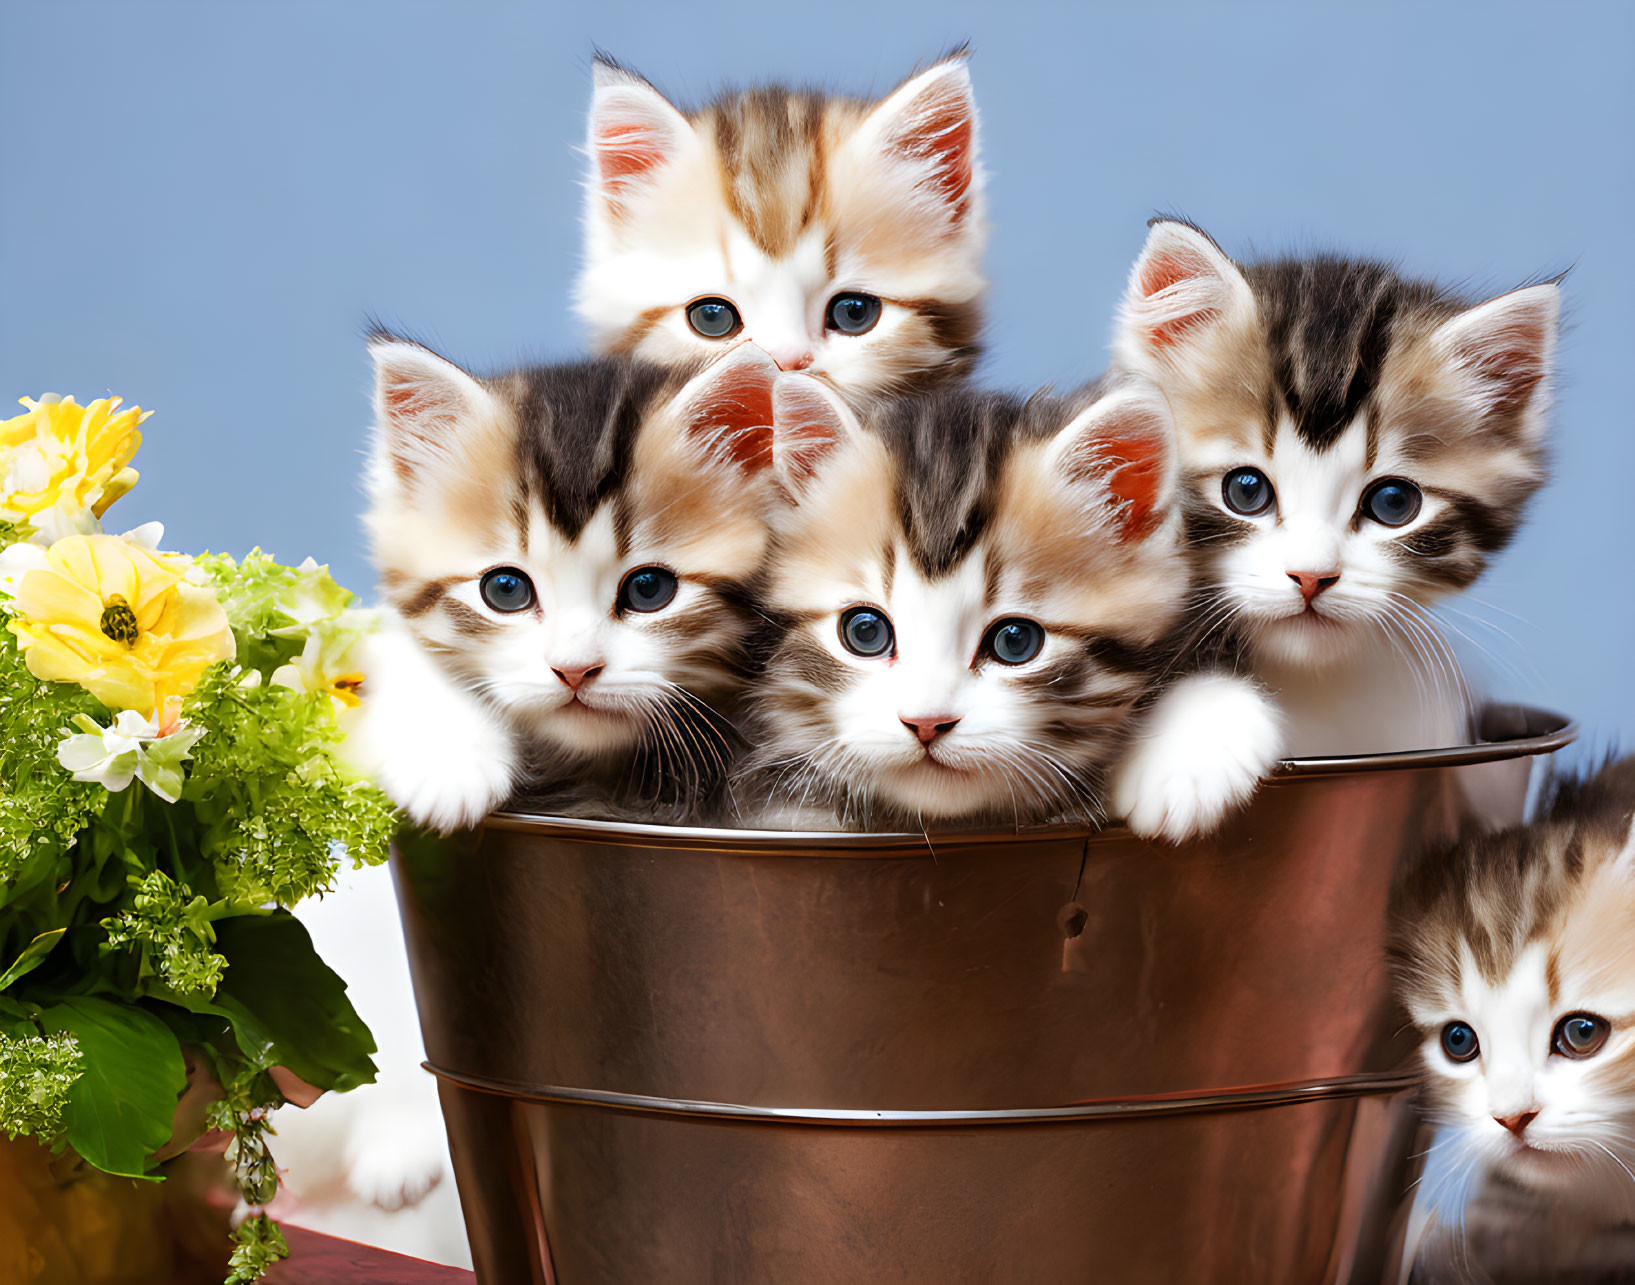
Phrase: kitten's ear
[423,405]
[1182,284]
[726,409]
[924,138]
[634,132]
[1508,344]
[1123,445]
[809,421]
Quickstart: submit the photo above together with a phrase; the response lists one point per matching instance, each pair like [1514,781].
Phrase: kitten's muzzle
[929,728]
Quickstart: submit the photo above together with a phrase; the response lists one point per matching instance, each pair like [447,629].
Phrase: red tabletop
[323,1260]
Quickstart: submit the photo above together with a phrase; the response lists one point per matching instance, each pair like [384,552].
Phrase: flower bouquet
[169,787]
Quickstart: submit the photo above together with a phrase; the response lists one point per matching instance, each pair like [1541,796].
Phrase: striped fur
[1330,375]
[778,199]
[951,512]
[1510,933]
[576,476]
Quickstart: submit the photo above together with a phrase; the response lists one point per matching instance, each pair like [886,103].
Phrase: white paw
[1202,752]
[435,749]
[394,1161]
[447,787]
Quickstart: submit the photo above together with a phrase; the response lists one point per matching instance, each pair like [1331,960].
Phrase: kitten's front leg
[432,746]
[1200,754]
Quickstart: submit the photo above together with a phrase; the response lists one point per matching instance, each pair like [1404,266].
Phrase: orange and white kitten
[841,236]
[1514,953]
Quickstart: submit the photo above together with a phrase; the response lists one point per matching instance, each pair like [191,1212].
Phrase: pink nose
[792,359]
[1311,583]
[1517,1124]
[929,728]
[577,677]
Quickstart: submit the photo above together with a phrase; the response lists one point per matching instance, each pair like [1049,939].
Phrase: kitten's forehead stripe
[759,137]
[1329,323]
[576,426]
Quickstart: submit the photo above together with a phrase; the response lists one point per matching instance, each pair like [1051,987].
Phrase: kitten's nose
[930,727]
[791,358]
[576,677]
[1517,1124]
[1313,583]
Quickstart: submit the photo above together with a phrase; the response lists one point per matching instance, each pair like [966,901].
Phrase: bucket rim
[1511,731]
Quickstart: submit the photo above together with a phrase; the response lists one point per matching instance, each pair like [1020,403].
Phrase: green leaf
[281,997]
[121,1108]
[33,955]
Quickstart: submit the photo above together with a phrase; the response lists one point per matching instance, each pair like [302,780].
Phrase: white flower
[151,750]
[16,561]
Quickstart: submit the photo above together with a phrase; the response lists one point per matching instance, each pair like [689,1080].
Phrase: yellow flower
[118,619]
[62,465]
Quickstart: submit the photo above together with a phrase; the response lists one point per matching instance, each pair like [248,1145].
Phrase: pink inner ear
[627,149]
[1163,270]
[1128,458]
[943,135]
[736,417]
[1512,358]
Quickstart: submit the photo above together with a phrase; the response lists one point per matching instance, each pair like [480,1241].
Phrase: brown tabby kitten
[565,552]
[978,592]
[1356,445]
[1515,955]
[842,236]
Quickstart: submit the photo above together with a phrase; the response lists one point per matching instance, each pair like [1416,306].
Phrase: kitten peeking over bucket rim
[981,596]
[1357,445]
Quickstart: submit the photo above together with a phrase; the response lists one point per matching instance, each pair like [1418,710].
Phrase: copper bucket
[712,1055]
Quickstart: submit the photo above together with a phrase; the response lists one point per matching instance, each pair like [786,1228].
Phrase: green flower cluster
[144,908]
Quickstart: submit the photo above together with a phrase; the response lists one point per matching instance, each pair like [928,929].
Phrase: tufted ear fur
[726,409]
[809,422]
[634,132]
[1181,287]
[921,144]
[1123,446]
[1507,344]
[429,413]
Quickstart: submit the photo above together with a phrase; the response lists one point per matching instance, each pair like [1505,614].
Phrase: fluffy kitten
[979,592]
[565,552]
[839,235]
[1515,955]
[1355,446]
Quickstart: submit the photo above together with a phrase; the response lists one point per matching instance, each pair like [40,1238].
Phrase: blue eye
[1580,1035]
[1247,491]
[713,318]
[1459,1041]
[866,632]
[852,313]
[507,589]
[648,589]
[1015,642]
[1394,501]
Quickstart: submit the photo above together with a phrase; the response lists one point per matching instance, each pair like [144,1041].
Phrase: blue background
[203,202]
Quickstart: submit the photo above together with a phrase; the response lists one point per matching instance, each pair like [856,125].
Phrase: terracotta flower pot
[714,1055]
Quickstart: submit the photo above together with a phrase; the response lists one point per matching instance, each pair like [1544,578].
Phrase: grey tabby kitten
[1514,953]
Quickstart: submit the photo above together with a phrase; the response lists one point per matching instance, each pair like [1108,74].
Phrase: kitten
[1514,953]
[1355,446]
[979,592]
[565,552]
[841,236]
